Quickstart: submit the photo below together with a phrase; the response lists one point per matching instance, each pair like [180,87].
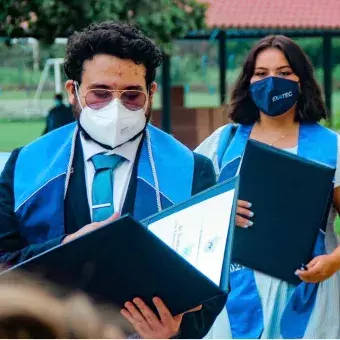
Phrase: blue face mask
[273,95]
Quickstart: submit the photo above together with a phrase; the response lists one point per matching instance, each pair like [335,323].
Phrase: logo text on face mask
[283,96]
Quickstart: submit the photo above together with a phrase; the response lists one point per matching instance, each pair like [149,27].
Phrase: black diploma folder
[124,260]
[290,198]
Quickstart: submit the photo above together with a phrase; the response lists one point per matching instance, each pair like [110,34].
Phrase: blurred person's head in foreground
[111,68]
[33,308]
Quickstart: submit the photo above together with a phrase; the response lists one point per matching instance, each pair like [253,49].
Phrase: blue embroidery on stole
[40,162]
[244,304]
[146,203]
[175,170]
[39,184]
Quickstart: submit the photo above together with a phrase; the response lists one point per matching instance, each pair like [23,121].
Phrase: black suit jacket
[14,249]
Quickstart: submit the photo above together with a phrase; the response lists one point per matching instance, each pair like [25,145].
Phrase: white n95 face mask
[114,124]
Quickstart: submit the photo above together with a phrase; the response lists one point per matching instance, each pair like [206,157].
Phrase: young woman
[277,101]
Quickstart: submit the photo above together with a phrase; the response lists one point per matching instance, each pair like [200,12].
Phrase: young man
[111,161]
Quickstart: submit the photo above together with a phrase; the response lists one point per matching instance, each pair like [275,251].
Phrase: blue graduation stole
[43,168]
[244,304]
[170,157]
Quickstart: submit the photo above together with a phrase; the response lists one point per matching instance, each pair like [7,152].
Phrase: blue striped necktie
[102,186]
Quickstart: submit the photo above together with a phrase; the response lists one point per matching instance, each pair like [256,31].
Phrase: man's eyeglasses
[133,100]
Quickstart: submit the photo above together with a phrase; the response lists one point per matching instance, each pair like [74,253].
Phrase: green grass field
[14,134]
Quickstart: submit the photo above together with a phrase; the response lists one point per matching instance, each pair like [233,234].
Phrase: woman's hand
[319,269]
[243,214]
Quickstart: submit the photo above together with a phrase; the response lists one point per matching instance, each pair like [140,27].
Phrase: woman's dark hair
[114,38]
[310,105]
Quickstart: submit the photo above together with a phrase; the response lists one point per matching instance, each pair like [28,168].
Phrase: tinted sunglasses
[133,100]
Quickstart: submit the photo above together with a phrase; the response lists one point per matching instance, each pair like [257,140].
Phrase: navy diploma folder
[124,260]
[290,198]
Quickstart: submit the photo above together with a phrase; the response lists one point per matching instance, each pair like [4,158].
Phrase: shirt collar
[128,150]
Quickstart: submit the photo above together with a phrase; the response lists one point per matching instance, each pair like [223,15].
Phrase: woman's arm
[323,267]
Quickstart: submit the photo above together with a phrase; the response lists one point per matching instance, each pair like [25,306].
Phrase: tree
[162,20]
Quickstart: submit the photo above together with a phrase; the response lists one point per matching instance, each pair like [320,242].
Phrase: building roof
[274,14]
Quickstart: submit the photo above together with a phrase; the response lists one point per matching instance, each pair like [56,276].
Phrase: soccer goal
[56,64]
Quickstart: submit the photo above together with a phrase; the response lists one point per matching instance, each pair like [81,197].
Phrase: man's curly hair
[118,39]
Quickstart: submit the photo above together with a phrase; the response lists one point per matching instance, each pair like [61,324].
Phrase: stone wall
[191,125]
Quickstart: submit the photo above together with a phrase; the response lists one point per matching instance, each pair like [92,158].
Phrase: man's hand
[146,322]
[243,214]
[319,269]
[89,228]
